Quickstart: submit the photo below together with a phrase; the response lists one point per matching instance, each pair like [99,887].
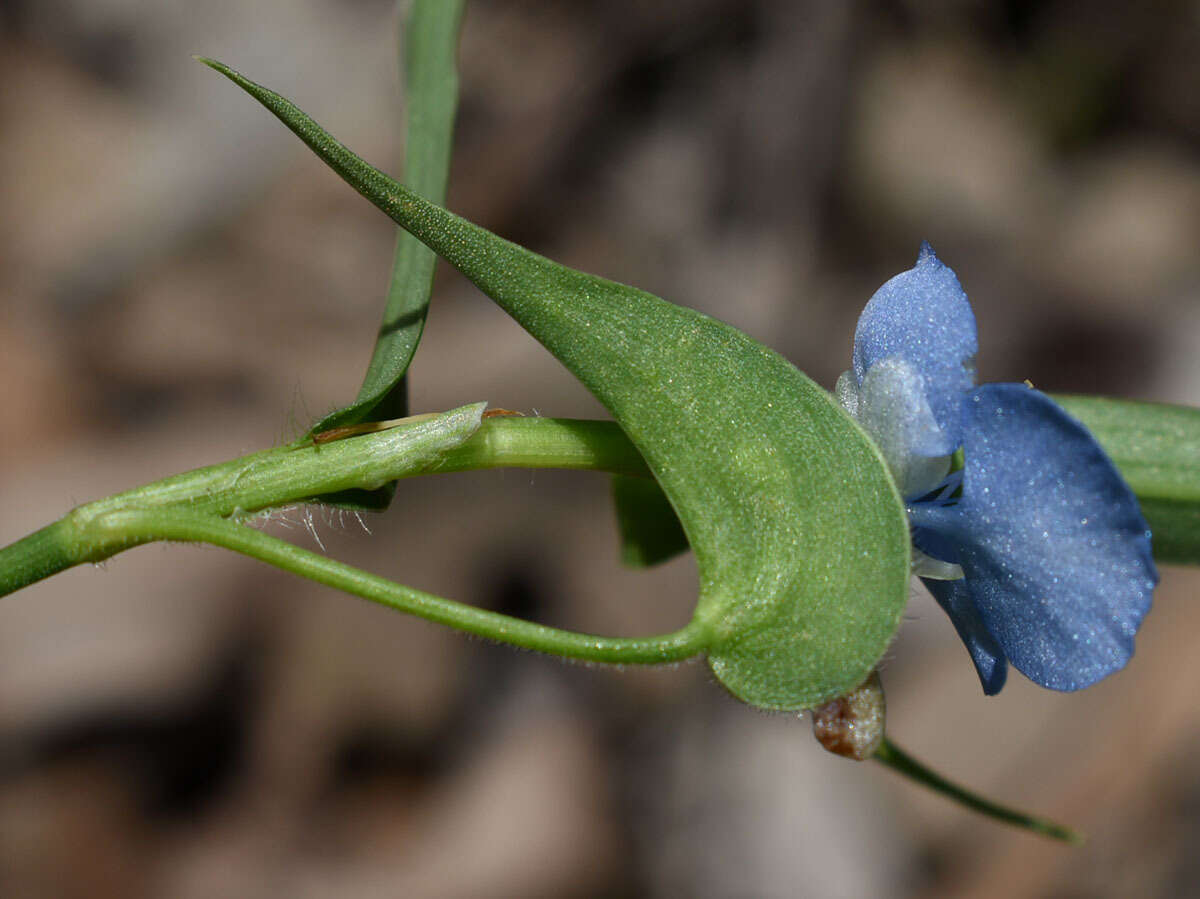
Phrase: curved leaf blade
[800,537]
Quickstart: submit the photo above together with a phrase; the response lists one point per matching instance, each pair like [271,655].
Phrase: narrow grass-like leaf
[429,41]
[800,537]
[1157,448]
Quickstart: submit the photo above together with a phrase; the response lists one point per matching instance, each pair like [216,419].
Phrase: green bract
[800,537]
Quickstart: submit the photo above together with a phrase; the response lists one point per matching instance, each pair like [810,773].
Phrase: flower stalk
[898,760]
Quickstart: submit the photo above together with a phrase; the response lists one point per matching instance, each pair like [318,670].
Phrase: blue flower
[1035,547]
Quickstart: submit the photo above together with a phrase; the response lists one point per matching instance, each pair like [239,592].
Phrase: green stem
[898,760]
[298,472]
[174,524]
[454,441]
[39,555]
[197,507]
[570,443]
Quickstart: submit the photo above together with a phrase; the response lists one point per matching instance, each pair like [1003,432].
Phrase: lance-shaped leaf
[429,36]
[800,537]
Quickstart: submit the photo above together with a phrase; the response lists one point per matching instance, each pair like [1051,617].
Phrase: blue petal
[936,544]
[955,598]
[1054,547]
[923,317]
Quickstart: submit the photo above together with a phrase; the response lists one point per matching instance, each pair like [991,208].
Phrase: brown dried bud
[852,725]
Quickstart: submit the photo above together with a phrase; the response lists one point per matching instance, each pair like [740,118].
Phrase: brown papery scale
[852,725]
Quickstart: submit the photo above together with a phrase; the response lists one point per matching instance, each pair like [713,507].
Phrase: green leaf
[649,529]
[429,37]
[1157,448]
[800,537]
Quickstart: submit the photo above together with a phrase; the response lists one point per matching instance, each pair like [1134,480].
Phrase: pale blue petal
[955,598]
[1055,549]
[891,407]
[922,316]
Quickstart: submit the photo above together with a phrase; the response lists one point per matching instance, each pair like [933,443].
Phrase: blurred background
[181,282]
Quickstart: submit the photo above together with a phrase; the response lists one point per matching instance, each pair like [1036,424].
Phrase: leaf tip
[217,65]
